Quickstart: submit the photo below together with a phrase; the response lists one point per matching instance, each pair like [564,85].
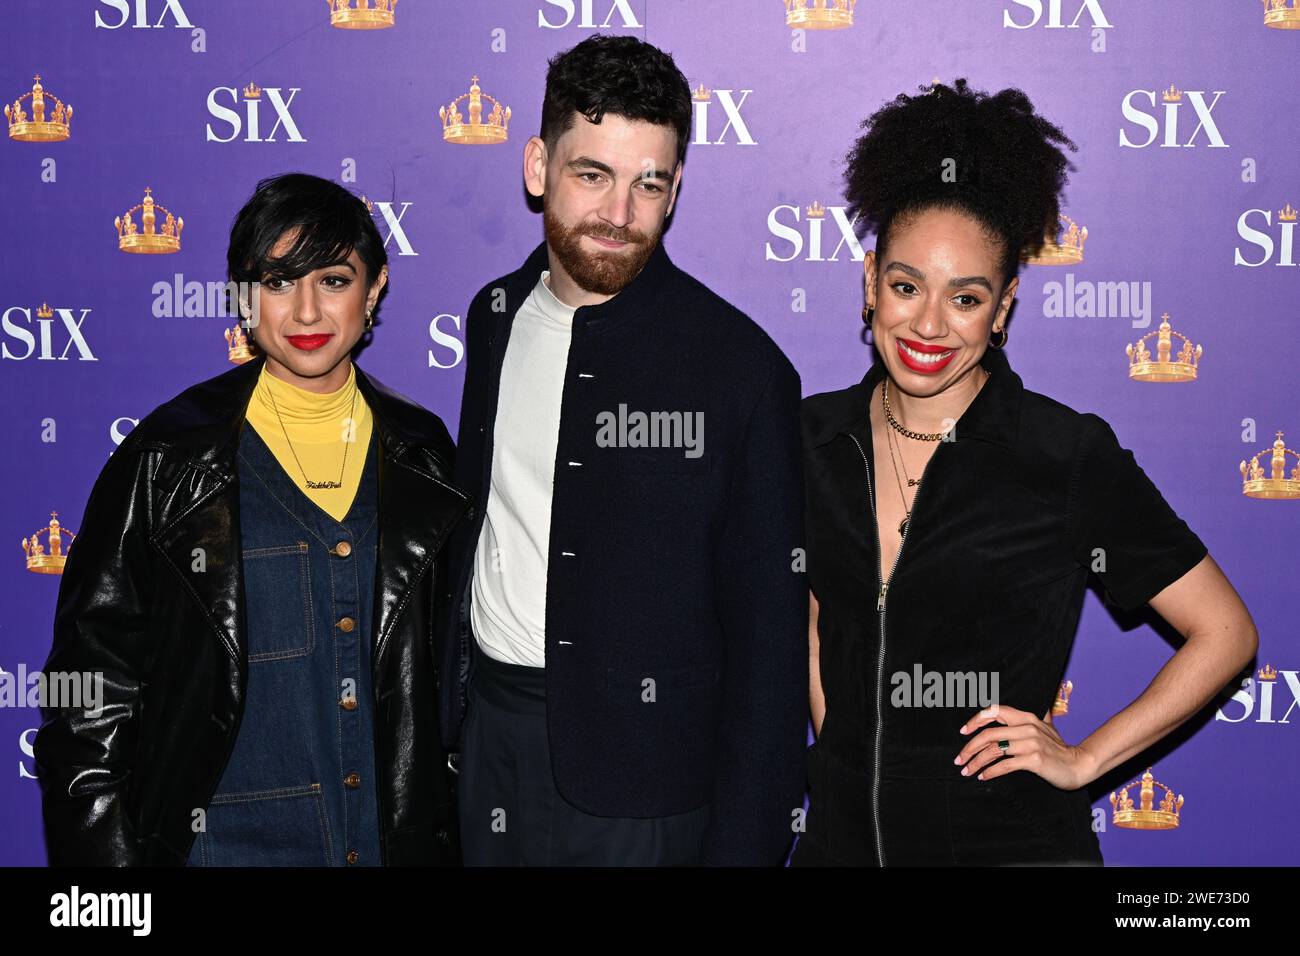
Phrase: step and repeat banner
[1167,303]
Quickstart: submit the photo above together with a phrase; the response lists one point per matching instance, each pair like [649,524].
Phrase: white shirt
[508,599]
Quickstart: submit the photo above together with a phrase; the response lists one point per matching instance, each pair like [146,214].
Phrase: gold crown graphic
[361,14]
[44,311]
[819,14]
[42,561]
[1279,16]
[1286,215]
[1268,672]
[1172,95]
[1181,368]
[1277,485]
[1061,248]
[701,93]
[38,129]
[815,211]
[1146,815]
[147,238]
[252,92]
[475,132]
[1062,705]
[239,347]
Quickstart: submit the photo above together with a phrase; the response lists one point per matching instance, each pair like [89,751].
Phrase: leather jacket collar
[199,431]
[209,423]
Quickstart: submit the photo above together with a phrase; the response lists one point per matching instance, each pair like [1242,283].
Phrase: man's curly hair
[621,75]
[1008,169]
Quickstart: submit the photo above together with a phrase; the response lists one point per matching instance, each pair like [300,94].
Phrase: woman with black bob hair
[256,577]
[953,517]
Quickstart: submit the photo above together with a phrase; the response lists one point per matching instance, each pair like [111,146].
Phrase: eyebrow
[586,162]
[952,283]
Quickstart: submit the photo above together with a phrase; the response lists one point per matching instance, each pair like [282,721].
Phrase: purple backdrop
[1186,197]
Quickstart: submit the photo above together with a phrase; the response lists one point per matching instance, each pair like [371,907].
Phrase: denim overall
[299,788]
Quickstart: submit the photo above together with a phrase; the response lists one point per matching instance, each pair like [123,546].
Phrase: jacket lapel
[204,503]
[208,531]
[417,510]
[416,507]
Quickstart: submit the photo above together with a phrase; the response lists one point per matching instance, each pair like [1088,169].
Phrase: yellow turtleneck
[317,424]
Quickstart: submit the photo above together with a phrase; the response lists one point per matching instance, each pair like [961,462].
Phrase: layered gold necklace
[920,436]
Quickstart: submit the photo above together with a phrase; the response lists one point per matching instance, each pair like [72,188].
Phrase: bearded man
[625,670]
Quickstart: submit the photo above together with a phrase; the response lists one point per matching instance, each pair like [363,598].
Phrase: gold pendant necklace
[890,439]
[923,436]
[343,470]
[902,525]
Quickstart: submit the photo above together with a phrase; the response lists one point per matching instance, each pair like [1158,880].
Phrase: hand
[1035,746]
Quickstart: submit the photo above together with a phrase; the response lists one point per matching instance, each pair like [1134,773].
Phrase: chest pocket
[277,591]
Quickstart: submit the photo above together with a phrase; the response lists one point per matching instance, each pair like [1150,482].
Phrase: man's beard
[603,273]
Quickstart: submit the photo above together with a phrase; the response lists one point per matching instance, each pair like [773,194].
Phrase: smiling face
[308,326]
[935,299]
[606,188]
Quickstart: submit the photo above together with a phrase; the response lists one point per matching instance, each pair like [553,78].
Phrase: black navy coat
[683,570]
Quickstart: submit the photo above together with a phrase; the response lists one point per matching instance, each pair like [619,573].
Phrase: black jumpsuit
[990,579]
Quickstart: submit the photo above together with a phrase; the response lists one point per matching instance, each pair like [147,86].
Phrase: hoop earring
[370,322]
[1001,344]
[867,315]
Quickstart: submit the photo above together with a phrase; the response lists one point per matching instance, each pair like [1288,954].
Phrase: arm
[1220,640]
[1145,554]
[762,606]
[84,759]
[816,699]
[459,548]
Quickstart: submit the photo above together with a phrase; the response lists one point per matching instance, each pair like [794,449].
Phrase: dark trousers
[511,813]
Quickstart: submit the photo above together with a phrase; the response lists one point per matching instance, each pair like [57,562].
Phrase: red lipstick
[308,343]
[921,365]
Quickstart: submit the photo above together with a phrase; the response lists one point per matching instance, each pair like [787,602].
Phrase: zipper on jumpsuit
[880,657]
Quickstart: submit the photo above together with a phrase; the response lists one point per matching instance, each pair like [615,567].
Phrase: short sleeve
[1116,512]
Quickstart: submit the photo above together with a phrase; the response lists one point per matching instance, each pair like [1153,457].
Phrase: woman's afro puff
[954,147]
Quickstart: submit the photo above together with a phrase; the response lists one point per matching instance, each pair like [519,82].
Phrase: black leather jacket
[122,787]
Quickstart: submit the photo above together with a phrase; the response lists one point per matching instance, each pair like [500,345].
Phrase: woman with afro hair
[953,518]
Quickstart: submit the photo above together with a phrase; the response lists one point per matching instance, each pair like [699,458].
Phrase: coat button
[441,837]
[353,780]
[346,625]
[343,549]
[348,703]
[353,856]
